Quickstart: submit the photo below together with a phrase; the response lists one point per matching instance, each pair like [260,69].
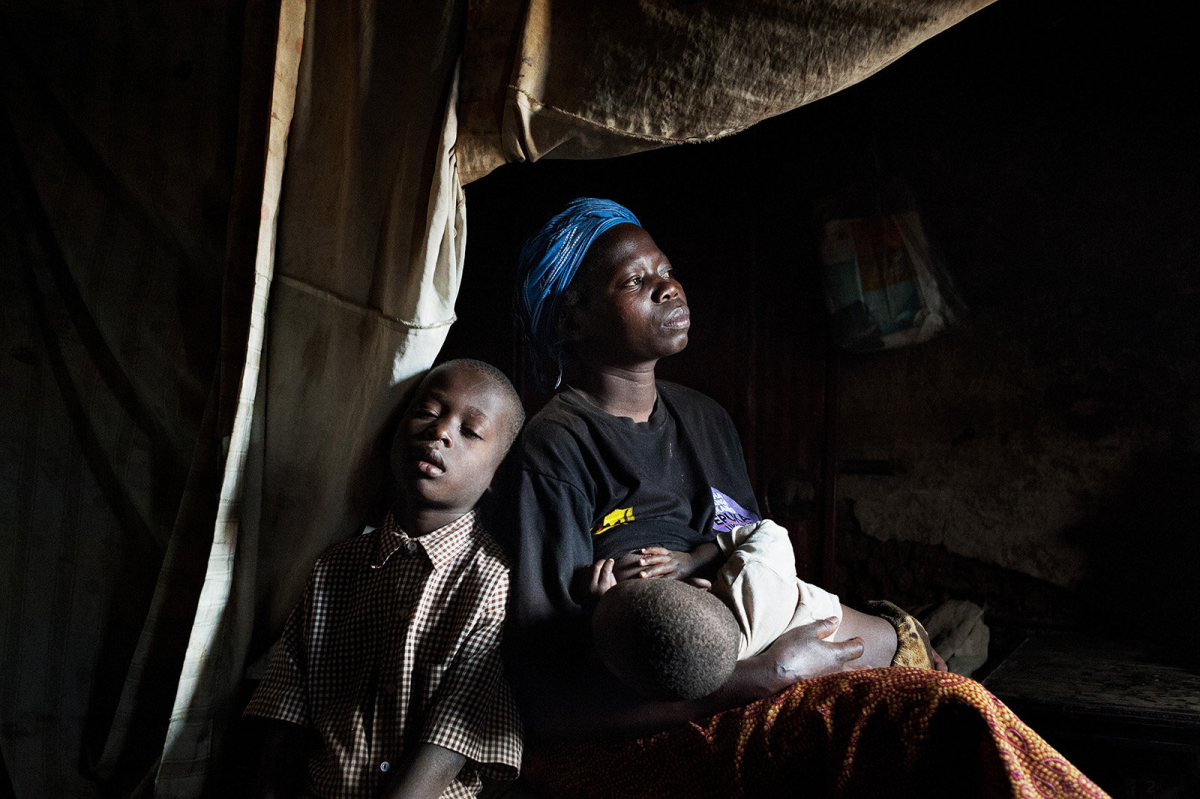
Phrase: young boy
[757,582]
[387,681]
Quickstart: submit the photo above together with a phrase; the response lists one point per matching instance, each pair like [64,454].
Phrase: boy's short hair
[512,400]
[665,638]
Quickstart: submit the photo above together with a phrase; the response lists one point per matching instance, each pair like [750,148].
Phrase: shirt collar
[441,546]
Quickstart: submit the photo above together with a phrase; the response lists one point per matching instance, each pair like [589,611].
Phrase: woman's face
[633,311]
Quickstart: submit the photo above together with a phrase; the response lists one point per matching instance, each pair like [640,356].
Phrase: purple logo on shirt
[729,513]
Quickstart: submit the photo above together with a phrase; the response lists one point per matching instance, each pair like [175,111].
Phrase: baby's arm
[663,562]
[428,774]
[878,637]
[602,578]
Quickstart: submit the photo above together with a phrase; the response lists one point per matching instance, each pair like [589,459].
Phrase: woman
[597,295]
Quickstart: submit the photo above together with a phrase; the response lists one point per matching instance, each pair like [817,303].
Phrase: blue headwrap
[548,263]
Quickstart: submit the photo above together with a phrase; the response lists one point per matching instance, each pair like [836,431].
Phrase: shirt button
[384,766]
[411,546]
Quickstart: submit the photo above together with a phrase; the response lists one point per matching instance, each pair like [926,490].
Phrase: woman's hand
[804,652]
[799,654]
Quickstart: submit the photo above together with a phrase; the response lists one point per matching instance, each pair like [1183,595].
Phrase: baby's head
[665,639]
[458,427]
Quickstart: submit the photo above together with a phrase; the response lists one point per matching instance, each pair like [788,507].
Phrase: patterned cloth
[912,642]
[878,733]
[396,642]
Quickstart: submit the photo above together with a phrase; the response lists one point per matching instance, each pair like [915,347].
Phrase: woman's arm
[877,635]
[798,654]
[550,540]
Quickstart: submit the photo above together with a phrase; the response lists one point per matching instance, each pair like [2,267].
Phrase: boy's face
[450,441]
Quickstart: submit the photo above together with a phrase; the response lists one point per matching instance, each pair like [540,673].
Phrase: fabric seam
[362,310]
[643,136]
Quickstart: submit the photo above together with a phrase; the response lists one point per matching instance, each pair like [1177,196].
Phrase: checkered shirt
[396,642]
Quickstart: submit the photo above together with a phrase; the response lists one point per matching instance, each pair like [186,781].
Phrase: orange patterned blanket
[878,733]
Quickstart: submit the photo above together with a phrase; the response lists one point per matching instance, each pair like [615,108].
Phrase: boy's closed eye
[425,412]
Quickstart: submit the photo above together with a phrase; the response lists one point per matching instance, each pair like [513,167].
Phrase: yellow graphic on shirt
[617,517]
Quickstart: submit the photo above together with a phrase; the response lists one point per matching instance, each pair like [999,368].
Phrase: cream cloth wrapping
[759,584]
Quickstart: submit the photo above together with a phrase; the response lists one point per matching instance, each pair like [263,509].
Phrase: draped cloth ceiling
[238,237]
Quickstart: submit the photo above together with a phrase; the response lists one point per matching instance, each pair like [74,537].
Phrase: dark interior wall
[1055,433]
[1053,154]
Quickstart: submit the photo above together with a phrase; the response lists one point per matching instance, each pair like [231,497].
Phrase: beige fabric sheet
[611,77]
[759,584]
[371,241]
[354,294]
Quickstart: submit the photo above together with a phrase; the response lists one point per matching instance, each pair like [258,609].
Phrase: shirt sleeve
[548,636]
[282,693]
[474,713]
[553,520]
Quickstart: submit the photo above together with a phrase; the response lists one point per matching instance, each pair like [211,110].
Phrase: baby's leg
[879,637]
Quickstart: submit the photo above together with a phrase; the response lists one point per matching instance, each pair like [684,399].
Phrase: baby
[671,638]
[665,639]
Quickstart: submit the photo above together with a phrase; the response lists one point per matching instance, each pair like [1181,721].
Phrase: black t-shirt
[582,472]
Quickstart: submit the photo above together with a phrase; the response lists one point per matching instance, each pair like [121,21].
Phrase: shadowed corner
[1142,550]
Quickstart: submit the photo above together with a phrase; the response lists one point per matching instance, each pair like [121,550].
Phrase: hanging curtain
[613,77]
[119,140]
[353,302]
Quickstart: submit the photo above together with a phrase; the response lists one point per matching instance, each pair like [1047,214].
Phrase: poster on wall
[881,284]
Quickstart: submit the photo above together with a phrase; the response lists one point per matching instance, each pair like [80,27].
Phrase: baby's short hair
[665,638]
